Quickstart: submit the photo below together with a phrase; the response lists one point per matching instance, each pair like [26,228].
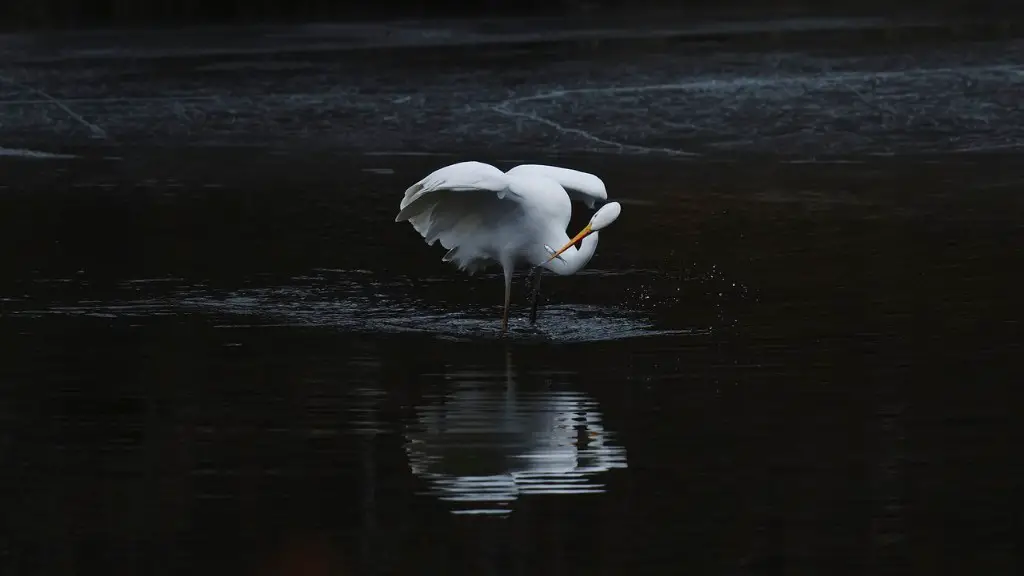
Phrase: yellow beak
[583,234]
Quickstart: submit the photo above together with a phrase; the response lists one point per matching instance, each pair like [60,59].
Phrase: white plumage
[483,216]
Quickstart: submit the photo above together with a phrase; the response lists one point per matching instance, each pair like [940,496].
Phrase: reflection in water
[486,442]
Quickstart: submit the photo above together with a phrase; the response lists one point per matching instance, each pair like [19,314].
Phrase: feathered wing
[463,175]
[581,186]
[458,205]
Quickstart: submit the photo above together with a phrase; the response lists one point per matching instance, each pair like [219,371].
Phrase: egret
[485,216]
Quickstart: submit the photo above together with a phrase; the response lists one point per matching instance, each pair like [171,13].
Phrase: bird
[484,216]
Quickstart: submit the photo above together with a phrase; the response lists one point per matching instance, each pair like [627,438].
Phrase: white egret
[485,216]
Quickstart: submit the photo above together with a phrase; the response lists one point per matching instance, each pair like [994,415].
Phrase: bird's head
[601,219]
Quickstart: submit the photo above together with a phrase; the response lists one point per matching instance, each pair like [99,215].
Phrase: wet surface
[795,351]
[766,367]
[327,88]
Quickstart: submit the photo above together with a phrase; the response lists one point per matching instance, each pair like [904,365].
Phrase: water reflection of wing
[485,441]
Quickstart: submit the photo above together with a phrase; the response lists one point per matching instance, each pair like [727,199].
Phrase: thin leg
[508,298]
[535,296]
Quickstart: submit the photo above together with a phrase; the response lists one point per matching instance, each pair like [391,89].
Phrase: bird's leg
[508,298]
[535,296]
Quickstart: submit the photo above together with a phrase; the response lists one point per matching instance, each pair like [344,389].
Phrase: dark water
[231,361]
[387,88]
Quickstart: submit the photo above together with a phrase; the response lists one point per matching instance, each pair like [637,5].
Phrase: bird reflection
[486,442]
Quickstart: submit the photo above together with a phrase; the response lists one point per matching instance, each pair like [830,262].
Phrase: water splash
[348,302]
[305,307]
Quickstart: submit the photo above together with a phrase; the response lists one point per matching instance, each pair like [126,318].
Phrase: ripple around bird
[345,305]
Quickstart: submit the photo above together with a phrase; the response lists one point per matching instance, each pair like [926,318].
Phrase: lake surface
[233,360]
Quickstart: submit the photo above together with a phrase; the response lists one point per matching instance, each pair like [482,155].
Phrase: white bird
[485,216]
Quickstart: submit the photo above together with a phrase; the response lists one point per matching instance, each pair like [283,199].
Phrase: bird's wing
[581,186]
[464,176]
[459,205]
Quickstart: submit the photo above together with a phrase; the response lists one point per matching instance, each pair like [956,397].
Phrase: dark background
[181,318]
[65,14]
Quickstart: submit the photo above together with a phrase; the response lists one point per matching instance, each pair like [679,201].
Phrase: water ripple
[355,305]
[301,307]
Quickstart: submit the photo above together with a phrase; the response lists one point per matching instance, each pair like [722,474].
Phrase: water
[235,360]
[795,351]
[329,88]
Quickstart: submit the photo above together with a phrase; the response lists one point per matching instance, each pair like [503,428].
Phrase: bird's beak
[583,234]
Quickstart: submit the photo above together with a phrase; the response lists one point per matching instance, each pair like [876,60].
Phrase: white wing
[581,186]
[459,205]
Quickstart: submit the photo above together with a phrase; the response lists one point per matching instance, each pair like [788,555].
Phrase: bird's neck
[574,260]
